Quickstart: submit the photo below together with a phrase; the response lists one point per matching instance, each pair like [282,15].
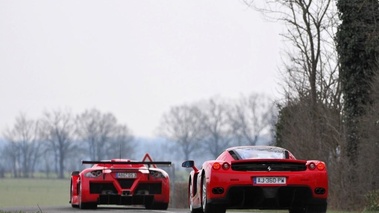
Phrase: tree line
[209,126]
[58,141]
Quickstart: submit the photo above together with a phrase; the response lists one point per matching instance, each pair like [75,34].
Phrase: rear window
[260,153]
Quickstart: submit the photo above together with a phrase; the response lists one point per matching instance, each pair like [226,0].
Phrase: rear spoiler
[147,160]
[130,162]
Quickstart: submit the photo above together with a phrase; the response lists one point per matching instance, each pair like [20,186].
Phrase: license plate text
[269,180]
[126,175]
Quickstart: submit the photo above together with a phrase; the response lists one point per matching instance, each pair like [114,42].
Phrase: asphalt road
[100,209]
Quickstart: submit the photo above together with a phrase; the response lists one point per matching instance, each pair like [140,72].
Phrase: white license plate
[126,175]
[269,180]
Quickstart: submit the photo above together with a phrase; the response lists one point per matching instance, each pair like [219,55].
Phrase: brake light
[320,166]
[216,166]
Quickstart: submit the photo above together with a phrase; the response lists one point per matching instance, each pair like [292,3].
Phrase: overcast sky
[132,58]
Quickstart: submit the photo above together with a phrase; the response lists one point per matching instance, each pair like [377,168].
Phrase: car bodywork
[121,182]
[258,177]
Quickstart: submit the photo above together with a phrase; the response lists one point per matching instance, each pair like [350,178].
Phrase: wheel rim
[190,200]
[204,195]
[189,195]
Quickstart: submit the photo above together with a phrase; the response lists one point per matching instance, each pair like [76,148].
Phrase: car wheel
[160,206]
[297,210]
[198,210]
[71,191]
[194,210]
[190,192]
[316,209]
[87,205]
[309,209]
[156,206]
[209,208]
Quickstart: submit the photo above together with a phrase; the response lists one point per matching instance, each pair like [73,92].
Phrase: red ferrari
[121,182]
[258,177]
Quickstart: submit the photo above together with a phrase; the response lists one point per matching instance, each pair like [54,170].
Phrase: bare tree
[23,145]
[96,129]
[3,162]
[311,65]
[12,154]
[310,122]
[217,127]
[251,119]
[57,129]
[121,143]
[184,126]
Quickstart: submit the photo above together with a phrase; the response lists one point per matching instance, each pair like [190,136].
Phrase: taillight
[225,166]
[93,174]
[216,166]
[312,166]
[156,174]
[320,166]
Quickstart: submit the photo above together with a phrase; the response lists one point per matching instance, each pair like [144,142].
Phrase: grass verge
[33,192]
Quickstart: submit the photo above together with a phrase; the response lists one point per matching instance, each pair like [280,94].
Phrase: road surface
[106,209]
[100,209]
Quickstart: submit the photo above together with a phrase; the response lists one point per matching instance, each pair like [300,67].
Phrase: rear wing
[130,162]
[147,160]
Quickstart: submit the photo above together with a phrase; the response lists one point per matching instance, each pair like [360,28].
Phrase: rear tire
[74,206]
[71,191]
[316,209]
[199,210]
[192,210]
[86,205]
[309,209]
[297,210]
[160,206]
[157,206]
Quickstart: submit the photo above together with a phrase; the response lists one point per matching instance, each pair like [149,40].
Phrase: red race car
[121,182]
[258,177]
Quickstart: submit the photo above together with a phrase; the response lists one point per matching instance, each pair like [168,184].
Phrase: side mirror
[188,164]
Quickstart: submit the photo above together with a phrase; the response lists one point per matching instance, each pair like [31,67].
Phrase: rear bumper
[125,200]
[253,197]
[235,189]
[111,193]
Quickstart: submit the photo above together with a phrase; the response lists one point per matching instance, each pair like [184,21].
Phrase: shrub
[372,201]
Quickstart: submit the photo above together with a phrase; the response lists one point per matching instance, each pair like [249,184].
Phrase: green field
[33,192]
